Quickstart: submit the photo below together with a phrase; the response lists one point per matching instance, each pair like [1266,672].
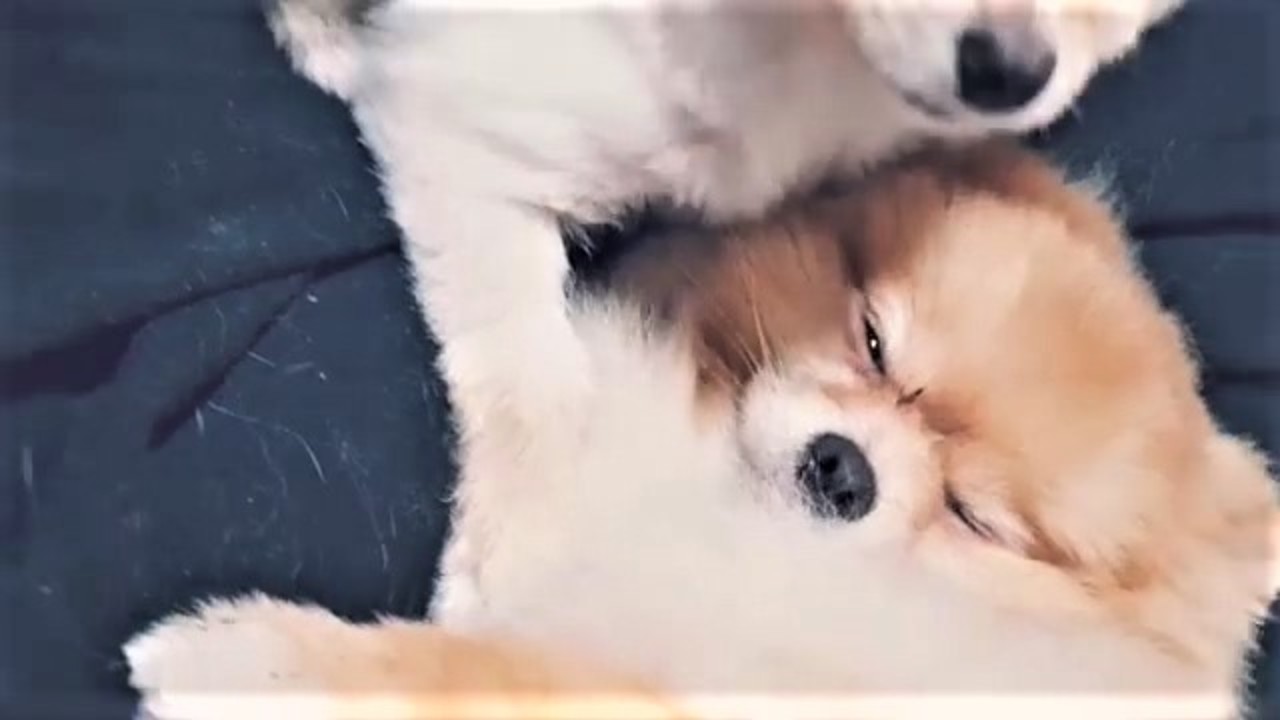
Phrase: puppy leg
[490,276]
[250,658]
[490,269]
[257,658]
[480,152]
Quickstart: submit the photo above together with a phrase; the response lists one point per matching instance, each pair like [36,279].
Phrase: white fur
[650,535]
[658,540]
[490,125]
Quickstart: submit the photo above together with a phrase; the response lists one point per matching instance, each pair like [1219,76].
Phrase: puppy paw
[242,658]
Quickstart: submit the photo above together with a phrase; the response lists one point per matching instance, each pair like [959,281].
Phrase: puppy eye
[966,516]
[875,346]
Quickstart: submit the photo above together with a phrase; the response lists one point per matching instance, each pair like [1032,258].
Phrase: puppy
[930,448]
[494,124]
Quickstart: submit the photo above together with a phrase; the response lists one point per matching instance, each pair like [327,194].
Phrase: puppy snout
[837,478]
[995,74]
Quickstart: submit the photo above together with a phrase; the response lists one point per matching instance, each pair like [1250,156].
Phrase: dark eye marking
[966,516]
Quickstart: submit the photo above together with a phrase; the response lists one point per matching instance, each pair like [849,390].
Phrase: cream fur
[491,124]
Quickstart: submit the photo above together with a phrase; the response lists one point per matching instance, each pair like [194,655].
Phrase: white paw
[232,658]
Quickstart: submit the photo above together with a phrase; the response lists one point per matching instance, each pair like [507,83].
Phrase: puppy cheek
[1003,579]
[908,472]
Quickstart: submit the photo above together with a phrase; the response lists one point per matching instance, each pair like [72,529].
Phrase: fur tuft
[321,38]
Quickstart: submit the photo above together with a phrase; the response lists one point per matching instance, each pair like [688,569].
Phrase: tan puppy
[930,448]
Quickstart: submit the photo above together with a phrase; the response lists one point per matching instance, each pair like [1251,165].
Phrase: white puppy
[494,122]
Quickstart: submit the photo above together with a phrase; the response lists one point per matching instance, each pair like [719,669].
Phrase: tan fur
[1057,389]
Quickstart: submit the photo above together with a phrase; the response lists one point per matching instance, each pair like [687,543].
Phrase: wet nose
[994,77]
[838,481]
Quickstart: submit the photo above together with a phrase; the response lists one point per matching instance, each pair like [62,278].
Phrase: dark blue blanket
[212,377]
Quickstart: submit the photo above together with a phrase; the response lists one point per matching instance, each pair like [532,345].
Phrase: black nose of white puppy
[1000,76]
[837,479]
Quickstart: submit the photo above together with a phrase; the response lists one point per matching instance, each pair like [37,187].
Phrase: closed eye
[970,520]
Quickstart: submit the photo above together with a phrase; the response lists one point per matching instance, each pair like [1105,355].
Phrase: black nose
[994,79]
[837,479]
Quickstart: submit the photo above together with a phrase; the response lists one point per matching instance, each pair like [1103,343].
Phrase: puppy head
[960,363]
[1073,444]
[971,66]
